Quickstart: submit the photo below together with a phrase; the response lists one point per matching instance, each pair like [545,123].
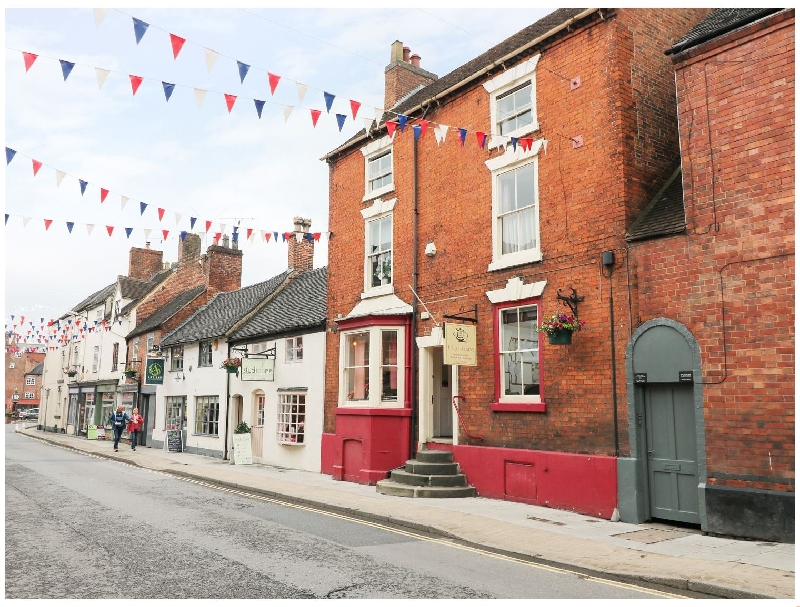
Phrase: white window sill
[378,291]
[379,192]
[515,259]
[368,404]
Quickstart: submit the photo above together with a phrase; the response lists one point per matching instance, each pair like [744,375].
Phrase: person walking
[118,420]
[135,427]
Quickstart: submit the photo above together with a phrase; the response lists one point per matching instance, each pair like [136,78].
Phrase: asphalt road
[82,527]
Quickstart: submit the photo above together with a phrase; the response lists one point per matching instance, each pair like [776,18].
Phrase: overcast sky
[198,162]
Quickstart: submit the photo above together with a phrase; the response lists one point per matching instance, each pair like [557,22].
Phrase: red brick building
[23,375]
[715,291]
[570,129]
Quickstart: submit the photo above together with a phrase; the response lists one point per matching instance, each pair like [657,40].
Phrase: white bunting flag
[222,227]
[378,114]
[101,76]
[367,123]
[200,94]
[299,236]
[441,133]
[178,218]
[544,145]
[146,234]
[123,201]
[301,93]
[25,221]
[59,177]
[89,228]
[287,111]
[211,57]
[99,15]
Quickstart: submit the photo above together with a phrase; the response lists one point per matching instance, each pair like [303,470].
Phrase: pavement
[650,554]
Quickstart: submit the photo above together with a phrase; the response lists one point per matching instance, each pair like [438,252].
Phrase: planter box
[560,338]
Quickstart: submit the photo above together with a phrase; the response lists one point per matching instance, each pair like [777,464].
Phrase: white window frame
[372,151]
[260,409]
[512,161]
[151,341]
[172,404]
[99,314]
[294,349]
[29,396]
[502,349]
[30,381]
[291,418]
[96,359]
[374,400]
[501,84]
[377,211]
[176,358]
[210,402]
[209,360]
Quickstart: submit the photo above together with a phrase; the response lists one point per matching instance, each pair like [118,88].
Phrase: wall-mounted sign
[686,377]
[640,378]
[154,371]
[459,345]
[258,369]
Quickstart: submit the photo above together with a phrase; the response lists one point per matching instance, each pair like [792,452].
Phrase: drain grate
[544,520]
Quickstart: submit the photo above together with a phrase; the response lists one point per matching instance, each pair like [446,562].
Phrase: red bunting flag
[36,166]
[249,233]
[317,236]
[267,235]
[208,226]
[286,236]
[526,143]
[110,229]
[391,126]
[273,82]
[136,81]
[217,236]
[481,138]
[103,194]
[47,223]
[160,213]
[29,58]
[177,44]
[229,101]
[315,114]
[354,105]
[424,125]
[165,233]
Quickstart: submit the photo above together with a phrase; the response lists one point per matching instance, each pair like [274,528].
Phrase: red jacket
[135,423]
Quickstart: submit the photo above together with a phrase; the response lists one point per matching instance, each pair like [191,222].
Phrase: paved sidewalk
[660,554]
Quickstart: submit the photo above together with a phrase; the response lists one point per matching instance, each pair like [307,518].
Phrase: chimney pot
[406,53]
[226,241]
[147,245]
[415,60]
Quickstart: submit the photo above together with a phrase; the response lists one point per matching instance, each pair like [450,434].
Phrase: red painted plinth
[367,444]
[568,481]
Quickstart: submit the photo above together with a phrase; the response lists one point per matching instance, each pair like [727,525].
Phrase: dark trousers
[117,436]
[134,437]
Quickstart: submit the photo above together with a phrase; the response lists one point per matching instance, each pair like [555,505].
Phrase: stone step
[427,468]
[431,456]
[388,487]
[429,480]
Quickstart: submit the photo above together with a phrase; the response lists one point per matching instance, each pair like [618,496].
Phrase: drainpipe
[414,370]
[227,407]
[608,262]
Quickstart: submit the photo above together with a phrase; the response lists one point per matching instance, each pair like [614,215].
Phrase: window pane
[358,349]
[506,185]
[525,190]
[524,119]
[389,365]
[530,373]
[386,233]
[512,367]
[527,329]
[509,233]
[522,98]
[527,229]
[505,106]
[389,347]
[373,245]
[508,335]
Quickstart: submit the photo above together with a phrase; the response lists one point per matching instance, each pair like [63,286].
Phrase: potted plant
[71,372]
[560,327]
[242,428]
[130,372]
[231,365]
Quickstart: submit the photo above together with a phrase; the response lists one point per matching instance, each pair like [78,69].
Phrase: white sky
[201,162]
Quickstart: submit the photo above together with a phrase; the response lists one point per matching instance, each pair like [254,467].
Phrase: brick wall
[15,378]
[143,263]
[300,254]
[585,196]
[224,269]
[738,254]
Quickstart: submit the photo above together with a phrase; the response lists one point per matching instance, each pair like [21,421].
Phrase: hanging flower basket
[562,337]
[71,373]
[231,365]
[560,327]
[130,374]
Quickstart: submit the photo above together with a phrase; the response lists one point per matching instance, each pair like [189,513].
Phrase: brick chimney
[301,254]
[189,247]
[403,74]
[143,263]
[223,267]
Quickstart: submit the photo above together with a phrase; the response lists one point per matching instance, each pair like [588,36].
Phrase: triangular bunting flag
[178,218]
[441,133]
[424,125]
[110,230]
[354,105]
[101,76]
[66,68]
[287,111]
[222,227]
[99,15]
[274,79]
[183,235]
[199,95]
[328,100]
[165,233]
[259,106]
[147,234]
[123,201]
[128,232]
[6,218]
[142,207]
[481,138]
[275,234]
[139,28]
[211,58]
[47,223]
[340,118]
[59,177]
[89,228]
[417,131]
[208,226]
[83,185]
[368,123]
[36,166]
[136,81]
[217,236]
[177,44]
[286,236]
[301,93]
[267,236]
[315,114]
[309,237]
[379,111]
[160,213]
[390,127]
[192,220]
[514,143]
[544,145]
[229,101]
[317,236]
[168,88]
[243,69]
[401,120]
[526,143]
[249,233]
[29,58]
[10,155]
[462,133]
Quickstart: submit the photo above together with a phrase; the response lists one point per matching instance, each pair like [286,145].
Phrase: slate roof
[96,298]
[37,370]
[139,292]
[132,288]
[301,304]
[222,312]
[664,214]
[167,311]
[472,67]
[718,22]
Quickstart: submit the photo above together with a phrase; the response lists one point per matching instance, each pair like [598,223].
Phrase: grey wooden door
[672,452]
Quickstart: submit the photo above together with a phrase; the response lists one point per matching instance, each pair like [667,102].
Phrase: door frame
[426,345]
[632,472]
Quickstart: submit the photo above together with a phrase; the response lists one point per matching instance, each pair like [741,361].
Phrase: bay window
[372,364]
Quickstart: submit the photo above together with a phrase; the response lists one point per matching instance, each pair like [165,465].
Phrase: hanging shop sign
[258,369]
[459,344]
[154,371]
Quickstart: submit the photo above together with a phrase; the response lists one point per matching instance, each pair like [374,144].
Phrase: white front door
[441,396]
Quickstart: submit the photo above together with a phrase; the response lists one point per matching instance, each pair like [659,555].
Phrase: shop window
[362,369]
[174,412]
[207,415]
[291,418]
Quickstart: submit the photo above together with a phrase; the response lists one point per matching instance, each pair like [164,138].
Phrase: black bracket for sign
[271,353]
[460,315]
[570,301]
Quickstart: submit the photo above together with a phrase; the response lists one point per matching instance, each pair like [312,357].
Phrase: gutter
[489,67]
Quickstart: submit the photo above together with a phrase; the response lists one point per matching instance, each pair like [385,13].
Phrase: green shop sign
[154,371]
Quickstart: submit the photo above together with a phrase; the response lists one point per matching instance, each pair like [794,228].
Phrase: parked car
[32,413]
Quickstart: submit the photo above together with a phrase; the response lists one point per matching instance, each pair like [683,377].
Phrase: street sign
[258,369]
[154,371]
[459,345]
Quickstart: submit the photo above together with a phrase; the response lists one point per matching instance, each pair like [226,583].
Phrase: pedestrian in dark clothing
[135,427]
[118,421]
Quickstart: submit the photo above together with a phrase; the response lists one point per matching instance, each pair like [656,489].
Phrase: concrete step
[427,468]
[429,480]
[424,455]
[388,487]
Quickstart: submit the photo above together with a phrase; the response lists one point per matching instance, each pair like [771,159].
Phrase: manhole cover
[651,536]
